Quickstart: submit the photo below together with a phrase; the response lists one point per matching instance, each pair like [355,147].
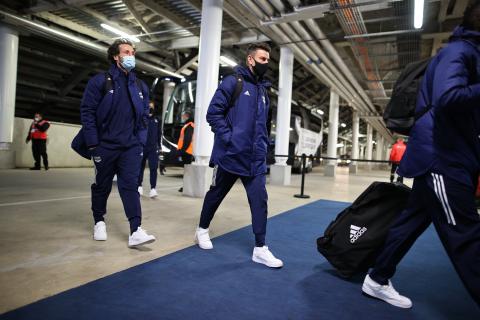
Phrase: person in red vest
[38,134]
[185,141]
[398,149]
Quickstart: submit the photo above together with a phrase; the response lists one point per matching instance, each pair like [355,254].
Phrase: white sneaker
[264,256]
[140,237]
[140,190]
[385,292]
[100,231]
[202,238]
[153,193]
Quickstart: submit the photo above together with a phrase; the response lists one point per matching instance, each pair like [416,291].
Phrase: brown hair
[114,48]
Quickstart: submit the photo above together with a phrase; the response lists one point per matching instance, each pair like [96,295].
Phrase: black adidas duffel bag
[353,240]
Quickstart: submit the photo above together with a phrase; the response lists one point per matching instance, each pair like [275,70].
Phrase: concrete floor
[46,242]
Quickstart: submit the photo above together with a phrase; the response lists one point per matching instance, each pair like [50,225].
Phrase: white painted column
[280,173]
[197,176]
[378,150]
[8,85]
[369,146]
[167,92]
[332,134]
[379,147]
[355,148]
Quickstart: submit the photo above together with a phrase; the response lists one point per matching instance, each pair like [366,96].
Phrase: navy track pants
[125,163]
[257,196]
[152,157]
[451,207]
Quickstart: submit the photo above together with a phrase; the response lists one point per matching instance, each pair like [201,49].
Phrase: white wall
[60,136]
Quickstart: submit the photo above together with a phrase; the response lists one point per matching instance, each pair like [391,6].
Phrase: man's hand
[27,140]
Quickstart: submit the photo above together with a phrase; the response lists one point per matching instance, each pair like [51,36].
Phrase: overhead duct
[76,41]
[329,74]
[354,27]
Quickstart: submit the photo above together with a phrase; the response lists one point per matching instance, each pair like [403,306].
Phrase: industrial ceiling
[355,47]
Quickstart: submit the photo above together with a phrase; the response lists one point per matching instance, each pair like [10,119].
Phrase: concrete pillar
[379,147]
[167,92]
[369,146]
[355,151]
[197,176]
[280,172]
[379,150]
[8,85]
[332,134]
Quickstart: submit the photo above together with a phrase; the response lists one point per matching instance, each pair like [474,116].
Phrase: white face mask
[37,119]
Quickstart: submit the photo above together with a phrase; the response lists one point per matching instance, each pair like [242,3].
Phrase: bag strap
[108,85]
[237,91]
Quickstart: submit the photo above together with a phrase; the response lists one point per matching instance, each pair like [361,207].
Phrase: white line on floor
[68,198]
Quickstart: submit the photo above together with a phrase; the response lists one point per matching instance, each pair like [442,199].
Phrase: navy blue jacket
[154,134]
[241,137]
[446,139]
[97,110]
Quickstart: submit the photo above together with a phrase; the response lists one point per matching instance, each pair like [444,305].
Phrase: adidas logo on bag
[356,232]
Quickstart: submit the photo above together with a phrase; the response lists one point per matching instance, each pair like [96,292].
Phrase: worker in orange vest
[398,149]
[38,134]
[185,141]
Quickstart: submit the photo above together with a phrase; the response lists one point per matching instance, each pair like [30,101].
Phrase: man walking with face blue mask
[114,112]
[240,148]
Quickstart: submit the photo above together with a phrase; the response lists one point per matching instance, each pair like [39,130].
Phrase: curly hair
[114,48]
[467,21]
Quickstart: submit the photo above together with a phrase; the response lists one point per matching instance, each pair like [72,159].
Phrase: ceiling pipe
[292,40]
[332,52]
[338,80]
[73,40]
[339,62]
[280,37]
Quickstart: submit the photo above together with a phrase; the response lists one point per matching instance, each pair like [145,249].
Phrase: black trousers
[392,173]
[39,149]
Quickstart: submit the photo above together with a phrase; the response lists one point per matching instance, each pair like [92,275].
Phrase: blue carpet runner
[224,283]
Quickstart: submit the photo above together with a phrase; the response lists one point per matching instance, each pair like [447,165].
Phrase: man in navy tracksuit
[113,134]
[150,152]
[443,155]
[240,148]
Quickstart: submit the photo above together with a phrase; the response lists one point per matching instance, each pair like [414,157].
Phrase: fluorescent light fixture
[119,32]
[343,125]
[227,61]
[418,14]
[167,79]
[320,111]
[183,80]
[190,93]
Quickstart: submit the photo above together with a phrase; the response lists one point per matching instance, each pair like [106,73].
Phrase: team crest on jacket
[97,159]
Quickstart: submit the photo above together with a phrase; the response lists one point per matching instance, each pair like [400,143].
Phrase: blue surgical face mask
[128,62]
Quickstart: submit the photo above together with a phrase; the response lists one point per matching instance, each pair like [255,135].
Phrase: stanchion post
[302,188]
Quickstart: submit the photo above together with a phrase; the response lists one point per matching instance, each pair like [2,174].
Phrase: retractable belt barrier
[304,157]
